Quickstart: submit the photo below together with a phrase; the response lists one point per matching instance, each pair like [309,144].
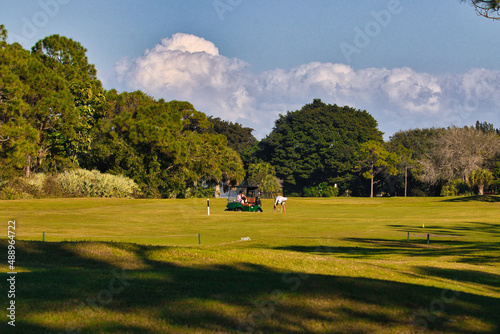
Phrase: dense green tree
[373,158]
[49,102]
[239,138]
[158,144]
[65,56]
[406,163]
[3,36]
[19,132]
[263,174]
[212,161]
[486,127]
[68,59]
[11,104]
[88,102]
[317,144]
[419,142]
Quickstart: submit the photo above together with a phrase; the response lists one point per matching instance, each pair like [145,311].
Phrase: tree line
[56,117]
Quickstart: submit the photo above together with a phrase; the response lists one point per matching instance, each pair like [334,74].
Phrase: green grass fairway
[341,265]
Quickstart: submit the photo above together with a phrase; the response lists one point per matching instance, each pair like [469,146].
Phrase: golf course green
[339,265]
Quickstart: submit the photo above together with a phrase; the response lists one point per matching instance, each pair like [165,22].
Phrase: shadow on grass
[462,230]
[478,198]
[64,292]
[472,276]
[478,253]
[417,247]
[478,227]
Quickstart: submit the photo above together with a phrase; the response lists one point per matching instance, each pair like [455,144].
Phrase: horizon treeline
[55,117]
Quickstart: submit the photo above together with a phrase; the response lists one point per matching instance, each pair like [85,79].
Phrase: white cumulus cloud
[188,67]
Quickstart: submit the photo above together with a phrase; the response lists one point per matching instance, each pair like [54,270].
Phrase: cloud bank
[188,67]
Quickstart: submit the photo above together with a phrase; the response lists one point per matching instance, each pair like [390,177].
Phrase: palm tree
[480,178]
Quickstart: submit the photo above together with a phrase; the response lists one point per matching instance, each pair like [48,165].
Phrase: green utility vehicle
[252,203]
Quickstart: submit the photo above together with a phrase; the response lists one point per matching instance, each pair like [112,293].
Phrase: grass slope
[326,266]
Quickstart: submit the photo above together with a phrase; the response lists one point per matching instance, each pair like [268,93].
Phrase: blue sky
[408,63]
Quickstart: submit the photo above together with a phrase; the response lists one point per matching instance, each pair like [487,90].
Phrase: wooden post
[427,238]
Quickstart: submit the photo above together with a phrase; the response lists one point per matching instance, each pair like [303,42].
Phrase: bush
[75,183]
[203,192]
[84,183]
[322,190]
[52,187]
[17,189]
[454,188]
[418,193]
[43,185]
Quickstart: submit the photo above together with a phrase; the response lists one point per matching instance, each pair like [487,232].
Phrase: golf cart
[252,203]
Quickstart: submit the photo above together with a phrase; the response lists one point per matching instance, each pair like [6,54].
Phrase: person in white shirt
[241,198]
[280,200]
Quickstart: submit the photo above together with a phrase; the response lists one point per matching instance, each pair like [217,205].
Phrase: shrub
[454,188]
[322,190]
[75,183]
[36,181]
[203,192]
[41,185]
[16,189]
[84,183]
[52,187]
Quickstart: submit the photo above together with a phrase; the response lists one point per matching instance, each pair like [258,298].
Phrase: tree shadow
[478,227]
[159,296]
[477,198]
[467,252]
[462,275]
[434,229]
[351,251]
[451,231]
[438,247]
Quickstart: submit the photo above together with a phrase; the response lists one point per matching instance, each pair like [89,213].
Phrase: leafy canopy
[317,144]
